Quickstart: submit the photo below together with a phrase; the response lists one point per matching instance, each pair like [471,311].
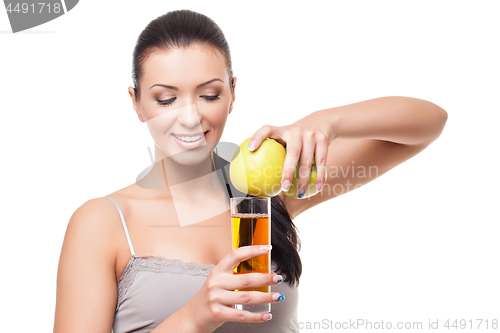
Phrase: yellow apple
[258,172]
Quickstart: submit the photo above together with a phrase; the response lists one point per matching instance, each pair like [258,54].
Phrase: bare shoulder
[95,218]
[86,278]
[93,229]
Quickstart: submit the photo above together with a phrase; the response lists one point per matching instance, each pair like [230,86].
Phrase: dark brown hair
[178,29]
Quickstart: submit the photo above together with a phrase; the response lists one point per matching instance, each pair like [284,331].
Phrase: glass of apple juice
[251,225]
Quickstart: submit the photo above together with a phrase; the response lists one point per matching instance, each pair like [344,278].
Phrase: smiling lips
[189,140]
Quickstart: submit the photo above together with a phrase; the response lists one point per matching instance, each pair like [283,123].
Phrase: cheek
[161,123]
[218,113]
[217,117]
[151,111]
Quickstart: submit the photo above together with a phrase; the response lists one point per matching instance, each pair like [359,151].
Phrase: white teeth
[190,138]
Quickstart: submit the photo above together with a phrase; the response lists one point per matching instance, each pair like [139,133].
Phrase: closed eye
[211,98]
[171,100]
[166,101]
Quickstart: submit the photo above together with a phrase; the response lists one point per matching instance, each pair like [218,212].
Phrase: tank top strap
[124,225]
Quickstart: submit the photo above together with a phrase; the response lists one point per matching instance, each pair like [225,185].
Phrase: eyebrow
[175,88]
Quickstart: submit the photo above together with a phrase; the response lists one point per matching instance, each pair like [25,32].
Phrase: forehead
[186,67]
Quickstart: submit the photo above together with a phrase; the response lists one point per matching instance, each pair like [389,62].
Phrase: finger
[266,131]
[251,280]
[250,297]
[230,314]
[320,155]
[305,163]
[230,261]
[293,150]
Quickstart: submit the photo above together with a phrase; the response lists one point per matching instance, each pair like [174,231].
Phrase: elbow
[441,118]
[437,120]
[432,120]
[441,114]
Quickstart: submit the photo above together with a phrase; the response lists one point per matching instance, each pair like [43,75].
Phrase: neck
[168,178]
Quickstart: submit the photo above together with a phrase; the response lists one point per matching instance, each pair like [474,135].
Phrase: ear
[234,95]
[135,105]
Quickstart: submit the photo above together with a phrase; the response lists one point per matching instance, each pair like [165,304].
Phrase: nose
[189,116]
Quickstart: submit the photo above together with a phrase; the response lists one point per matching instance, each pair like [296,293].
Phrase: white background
[421,242]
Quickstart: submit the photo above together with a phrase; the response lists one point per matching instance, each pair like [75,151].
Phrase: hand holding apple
[306,140]
[259,172]
[267,170]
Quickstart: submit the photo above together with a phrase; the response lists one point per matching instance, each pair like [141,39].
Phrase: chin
[190,157]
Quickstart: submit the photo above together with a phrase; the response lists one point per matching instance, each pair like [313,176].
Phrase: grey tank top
[152,288]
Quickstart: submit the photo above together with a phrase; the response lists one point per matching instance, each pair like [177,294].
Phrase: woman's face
[185,98]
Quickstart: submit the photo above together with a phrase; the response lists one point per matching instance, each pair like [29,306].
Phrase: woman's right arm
[86,278]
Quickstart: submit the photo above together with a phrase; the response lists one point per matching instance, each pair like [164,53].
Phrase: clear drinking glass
[251,225]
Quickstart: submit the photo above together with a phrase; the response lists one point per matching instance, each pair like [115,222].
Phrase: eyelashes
[171,100]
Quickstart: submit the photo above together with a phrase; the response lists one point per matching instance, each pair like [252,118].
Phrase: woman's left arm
[354,144]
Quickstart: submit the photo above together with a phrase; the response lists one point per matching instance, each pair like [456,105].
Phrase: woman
[184,90]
